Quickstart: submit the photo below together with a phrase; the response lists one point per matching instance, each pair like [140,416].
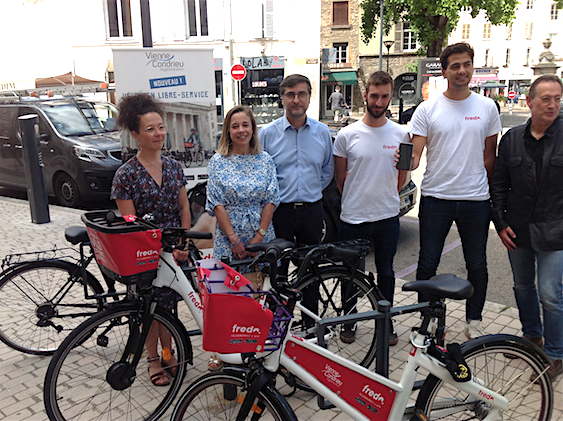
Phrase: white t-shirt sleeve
[495,126]
[339,148]
[418,123]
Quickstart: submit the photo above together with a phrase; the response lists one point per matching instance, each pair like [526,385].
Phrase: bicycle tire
[362,350]
[187,159]
[205,399]
[199,159]
[77,382]
[513,363]
[42,302]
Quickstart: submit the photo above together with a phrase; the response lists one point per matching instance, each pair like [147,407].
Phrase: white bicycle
[495,377]
[100,371]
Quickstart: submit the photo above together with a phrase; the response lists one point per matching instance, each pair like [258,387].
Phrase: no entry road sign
[238,72]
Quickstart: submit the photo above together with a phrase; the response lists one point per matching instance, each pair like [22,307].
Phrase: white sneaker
[473,329]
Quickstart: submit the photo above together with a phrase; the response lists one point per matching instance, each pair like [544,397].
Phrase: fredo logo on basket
[246,329]
[146,253]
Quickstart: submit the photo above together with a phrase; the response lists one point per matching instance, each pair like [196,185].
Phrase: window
[118,18]
[508,32]
[529,4]
[528,56]
[554,11]
[487,31]
[486,57]
[465,31]
[197,18]
[340,13]
[529,27]
[409,39]
[341,52]
[507,61]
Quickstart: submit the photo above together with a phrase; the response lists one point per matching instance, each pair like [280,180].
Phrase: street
[500,274]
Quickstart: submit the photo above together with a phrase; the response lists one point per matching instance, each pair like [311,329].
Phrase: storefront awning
[342,78]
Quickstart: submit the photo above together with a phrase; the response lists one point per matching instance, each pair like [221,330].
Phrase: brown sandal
[170,364]
[157,374]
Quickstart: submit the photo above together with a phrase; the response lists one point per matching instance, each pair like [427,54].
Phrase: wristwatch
[262,232]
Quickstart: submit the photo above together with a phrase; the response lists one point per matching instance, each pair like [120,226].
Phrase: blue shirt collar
[286,123]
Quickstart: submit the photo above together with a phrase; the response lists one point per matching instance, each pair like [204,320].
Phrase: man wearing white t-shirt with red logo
[459,130]
[364,157]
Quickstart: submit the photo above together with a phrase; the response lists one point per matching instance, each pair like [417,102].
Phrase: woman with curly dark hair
[152,183]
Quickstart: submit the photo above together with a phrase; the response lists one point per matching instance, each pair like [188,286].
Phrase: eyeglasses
[300,95]
[153,130]
[548,99]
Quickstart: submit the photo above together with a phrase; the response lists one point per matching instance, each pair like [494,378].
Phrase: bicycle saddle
[76,234]
[278,243]
[445,285]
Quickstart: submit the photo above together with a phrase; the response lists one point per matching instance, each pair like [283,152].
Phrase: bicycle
[495,377]
[46,294]
[97,369]
[189,156]
[43,296]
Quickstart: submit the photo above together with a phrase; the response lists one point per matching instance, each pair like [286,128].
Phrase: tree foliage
[432,20]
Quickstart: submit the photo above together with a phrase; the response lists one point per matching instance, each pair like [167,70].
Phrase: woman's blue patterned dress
[243,184]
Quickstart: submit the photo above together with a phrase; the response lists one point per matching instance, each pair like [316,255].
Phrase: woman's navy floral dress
[132,181]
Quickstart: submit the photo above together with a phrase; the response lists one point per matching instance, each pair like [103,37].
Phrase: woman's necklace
[152,165]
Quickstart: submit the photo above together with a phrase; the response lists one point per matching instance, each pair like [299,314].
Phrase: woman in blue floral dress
[151,183]
[242,190]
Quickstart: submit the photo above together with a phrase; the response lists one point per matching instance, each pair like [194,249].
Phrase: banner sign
[168,74]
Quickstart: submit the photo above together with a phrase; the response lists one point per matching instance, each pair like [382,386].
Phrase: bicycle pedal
[418,416]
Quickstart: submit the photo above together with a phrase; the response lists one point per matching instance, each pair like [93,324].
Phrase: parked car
[79,143]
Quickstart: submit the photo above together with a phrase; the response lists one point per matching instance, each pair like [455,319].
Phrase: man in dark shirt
[527,198]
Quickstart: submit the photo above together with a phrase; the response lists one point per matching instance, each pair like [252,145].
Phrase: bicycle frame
[363,394]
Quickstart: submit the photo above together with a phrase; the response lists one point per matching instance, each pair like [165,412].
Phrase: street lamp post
[388,44]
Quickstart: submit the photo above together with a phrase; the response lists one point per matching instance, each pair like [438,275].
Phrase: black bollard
[33,165]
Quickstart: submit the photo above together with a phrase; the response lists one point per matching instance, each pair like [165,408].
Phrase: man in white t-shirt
[364,155]
[459,130]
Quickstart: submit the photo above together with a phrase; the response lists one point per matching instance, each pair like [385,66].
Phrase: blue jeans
[384,236]
[472,220]
[550,290]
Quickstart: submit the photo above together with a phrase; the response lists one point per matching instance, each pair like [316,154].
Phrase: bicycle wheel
[502,363]
[90,376]
[219,396]
[42,302]
[199,159]
[188,159]
[334,282]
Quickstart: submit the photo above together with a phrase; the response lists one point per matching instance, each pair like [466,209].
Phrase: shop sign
[17,85]
[263,62]
[259,84]
[339,65]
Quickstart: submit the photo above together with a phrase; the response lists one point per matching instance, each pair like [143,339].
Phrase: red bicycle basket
[238,321]
[127,252]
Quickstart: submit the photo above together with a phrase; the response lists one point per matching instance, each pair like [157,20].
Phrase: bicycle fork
[258,378]
[123,373]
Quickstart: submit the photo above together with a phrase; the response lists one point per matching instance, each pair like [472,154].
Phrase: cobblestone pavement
[21,375]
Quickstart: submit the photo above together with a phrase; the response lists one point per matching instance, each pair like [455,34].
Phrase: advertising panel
[183,79]
[430,81]
[168,74]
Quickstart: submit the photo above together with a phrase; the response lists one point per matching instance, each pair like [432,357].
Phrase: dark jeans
[472,220]
[384,236]
[302,226]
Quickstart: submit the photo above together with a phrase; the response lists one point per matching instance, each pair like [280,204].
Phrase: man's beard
[375,114]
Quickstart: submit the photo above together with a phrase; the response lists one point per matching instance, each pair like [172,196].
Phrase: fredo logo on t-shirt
[473,118]
[389,146]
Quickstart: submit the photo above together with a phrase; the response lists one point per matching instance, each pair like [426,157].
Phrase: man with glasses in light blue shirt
[302,151]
